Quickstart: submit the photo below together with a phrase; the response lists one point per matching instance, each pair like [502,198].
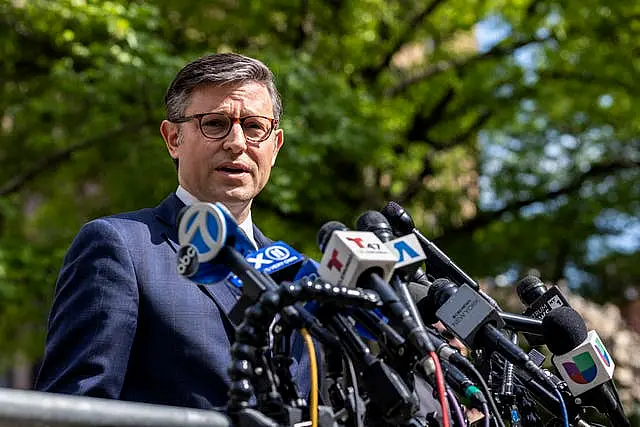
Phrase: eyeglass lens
[218,126]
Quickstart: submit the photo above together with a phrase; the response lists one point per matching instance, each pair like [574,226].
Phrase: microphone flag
[350,253]
[586,366]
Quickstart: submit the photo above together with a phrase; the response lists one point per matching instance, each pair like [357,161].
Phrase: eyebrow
[243,113]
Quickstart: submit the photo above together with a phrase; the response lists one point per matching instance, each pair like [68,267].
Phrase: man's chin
[236,198]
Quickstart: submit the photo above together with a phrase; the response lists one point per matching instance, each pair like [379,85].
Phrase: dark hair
[218,70]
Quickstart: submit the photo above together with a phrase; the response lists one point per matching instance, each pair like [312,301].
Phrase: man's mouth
[232,169]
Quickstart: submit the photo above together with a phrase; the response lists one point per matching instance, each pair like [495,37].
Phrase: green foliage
[510,156]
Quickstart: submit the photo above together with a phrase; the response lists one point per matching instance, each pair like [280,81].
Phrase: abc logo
[188,260]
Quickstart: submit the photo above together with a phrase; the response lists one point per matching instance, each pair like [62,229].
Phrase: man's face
[229,170]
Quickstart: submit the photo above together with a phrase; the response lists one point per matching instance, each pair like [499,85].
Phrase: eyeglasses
[218,125]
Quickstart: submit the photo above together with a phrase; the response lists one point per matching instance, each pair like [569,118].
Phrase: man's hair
[218,70]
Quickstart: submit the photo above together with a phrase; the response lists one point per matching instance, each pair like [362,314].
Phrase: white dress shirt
[247,225]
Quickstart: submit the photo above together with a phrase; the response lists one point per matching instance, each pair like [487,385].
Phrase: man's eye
[215,123]
[254,124]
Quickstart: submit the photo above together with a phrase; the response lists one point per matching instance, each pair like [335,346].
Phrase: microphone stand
[506,397]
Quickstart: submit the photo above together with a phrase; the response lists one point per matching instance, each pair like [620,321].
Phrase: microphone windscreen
[435,295]
[563,329]
[370,219]
[529,289]
[375,222]
[399,219]
[325,232]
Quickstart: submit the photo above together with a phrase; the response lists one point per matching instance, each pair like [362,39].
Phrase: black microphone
[583,362]
[361,257]
[472,319]
[402,224]
[538,301]
[515,322]
[438,262]
[376,223]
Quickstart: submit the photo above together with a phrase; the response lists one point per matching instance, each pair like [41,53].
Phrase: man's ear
[172,137]
[279,140]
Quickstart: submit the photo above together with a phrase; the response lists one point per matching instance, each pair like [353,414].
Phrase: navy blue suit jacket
[125,325]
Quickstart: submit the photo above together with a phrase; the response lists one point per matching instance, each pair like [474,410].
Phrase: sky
[488,33]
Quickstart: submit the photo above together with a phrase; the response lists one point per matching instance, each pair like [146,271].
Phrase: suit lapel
[261,239]
[167,213]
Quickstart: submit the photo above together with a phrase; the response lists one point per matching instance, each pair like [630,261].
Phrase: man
[124,324]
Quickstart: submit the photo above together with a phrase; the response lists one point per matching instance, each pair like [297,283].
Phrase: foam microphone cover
[399,218]
[325,232]
[563,329]
[375,222]
[529,289]
[433,298]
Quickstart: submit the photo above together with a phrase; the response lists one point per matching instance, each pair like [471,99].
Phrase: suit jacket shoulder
[125,325]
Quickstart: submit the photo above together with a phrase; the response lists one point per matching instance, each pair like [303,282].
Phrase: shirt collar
[247,225]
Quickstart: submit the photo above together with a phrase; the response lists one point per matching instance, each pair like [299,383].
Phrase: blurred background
[507,128]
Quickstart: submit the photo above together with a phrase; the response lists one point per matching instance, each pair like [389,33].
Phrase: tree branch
[422,123]
[414,186]
[497,51]
[584,77]
[55,159]
[372,73]
[483,219]
[302,31]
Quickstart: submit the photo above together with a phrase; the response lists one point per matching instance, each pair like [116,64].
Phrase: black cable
[356,394]
[485,413]
[487,392]
[247,353]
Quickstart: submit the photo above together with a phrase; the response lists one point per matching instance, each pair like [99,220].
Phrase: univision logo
[602,352]
[583,369]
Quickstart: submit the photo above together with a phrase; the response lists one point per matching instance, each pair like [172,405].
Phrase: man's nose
[235,141]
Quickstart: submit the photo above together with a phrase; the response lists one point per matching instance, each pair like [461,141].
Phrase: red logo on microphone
[357,241]
[334,262]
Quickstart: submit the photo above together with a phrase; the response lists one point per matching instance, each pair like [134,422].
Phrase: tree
[510,155]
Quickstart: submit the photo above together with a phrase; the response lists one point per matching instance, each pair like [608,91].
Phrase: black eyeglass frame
[234,120]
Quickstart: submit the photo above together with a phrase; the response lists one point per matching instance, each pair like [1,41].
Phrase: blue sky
[490,32]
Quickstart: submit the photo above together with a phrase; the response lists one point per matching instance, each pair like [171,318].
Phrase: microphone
[409,258]
[442,266]
[278,260]
[583,362]
[538,301]
[350,256]
[516,322]
[407,248]
[403,224]
[360,257]
[472,319]
[203,230]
